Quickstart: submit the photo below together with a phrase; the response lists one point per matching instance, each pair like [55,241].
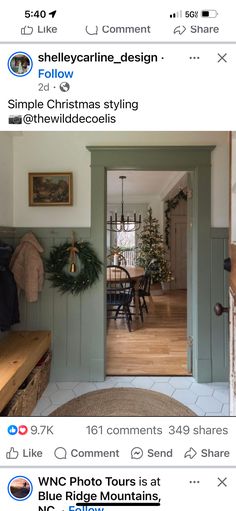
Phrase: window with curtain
[127,242]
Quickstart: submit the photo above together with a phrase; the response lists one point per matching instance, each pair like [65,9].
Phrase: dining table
[136,273]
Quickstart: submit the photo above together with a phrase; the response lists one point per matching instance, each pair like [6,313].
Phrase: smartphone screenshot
[117,256]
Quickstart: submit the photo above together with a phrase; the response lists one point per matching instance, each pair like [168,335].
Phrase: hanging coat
[9,311]
[27,266]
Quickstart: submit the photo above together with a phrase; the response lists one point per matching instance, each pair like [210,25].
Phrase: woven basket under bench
[25,399]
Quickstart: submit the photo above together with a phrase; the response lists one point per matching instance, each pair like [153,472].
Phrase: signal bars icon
[177,14]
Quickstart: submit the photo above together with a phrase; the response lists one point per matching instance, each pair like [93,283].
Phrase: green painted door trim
[219,293]
[190,185]
[195,159]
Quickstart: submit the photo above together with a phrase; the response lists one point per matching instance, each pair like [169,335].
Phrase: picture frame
[50,188]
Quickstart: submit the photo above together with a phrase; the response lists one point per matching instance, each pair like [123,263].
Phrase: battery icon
[209,14]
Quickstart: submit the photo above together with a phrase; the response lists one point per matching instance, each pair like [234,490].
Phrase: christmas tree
[151,250]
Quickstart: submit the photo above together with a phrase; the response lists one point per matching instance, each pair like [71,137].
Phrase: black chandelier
[123,224]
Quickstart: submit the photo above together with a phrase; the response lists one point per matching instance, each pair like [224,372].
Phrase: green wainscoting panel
[219,293]
[7,234]
[70,318]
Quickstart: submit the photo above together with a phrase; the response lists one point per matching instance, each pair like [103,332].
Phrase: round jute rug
[123,402]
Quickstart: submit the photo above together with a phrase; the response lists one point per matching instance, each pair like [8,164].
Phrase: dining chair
[119,293]
[144,290]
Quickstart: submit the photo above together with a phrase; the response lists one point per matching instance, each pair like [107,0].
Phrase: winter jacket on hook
[27,266]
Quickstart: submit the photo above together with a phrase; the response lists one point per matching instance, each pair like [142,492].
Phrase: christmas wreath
[73,267]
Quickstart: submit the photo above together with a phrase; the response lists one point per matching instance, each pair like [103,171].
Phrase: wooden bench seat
[19,354]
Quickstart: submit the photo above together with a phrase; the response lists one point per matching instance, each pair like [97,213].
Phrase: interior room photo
[117,274]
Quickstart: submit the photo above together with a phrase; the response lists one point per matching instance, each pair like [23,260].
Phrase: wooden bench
[19,354]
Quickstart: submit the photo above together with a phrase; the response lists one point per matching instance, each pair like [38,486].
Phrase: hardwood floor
[156,347]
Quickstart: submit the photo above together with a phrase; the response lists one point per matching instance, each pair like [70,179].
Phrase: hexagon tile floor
[211,399]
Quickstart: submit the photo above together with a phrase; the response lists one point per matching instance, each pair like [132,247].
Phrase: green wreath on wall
[172,204]
[73,268]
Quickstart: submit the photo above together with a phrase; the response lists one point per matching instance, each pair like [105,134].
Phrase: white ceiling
[141,182]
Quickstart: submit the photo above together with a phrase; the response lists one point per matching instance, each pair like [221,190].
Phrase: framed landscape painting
[50,189]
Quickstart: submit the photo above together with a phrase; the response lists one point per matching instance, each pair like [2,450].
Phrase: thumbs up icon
[27,30]
[12,454]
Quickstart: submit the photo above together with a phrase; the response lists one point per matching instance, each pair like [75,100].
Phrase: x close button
[222,481]
[222,58]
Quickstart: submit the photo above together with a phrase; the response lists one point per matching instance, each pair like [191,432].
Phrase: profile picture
[20,488]
[20,64]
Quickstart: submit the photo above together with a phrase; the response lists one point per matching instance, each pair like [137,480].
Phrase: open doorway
[206,338]
[158,341]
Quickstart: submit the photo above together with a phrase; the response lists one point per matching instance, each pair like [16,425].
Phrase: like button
[12,454]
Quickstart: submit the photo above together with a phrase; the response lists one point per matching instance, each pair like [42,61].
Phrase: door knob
[227,264]
[219,309]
